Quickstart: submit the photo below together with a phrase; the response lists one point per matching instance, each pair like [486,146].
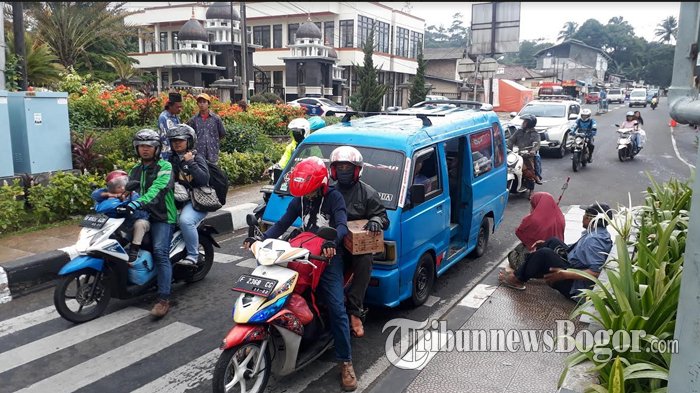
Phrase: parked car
[555,120]
[433,98]
[616,95]
[320,106]
[592,97]
[638,97]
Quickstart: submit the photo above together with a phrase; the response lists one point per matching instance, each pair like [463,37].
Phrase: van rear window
[383,169]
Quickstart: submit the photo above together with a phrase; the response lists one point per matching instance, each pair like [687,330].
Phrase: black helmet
[184,132]
[148,137]
[531,120]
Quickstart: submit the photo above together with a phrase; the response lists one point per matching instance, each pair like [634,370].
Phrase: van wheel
[423,280]
[482,240]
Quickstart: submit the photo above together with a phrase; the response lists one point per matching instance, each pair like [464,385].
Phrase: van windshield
[614,91]
[638,94]
[383,169]
[544,110]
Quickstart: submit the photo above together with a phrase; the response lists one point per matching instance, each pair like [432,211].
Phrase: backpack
[218,181]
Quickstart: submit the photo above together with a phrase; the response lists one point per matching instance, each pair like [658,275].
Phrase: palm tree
[42,64]
[667,29]
[71,29]
[123,67]
[568,31]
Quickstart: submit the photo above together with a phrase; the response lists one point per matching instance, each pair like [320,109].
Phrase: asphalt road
[126,350]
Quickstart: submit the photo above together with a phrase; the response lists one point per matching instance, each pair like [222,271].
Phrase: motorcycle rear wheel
[239,361]
[88,292]
[206,260]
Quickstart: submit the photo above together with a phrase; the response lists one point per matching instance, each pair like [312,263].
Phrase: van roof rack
[555,97]
[423,116]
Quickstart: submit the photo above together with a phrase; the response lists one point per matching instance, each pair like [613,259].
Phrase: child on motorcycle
[114,195]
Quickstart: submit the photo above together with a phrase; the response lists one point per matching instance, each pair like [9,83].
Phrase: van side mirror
[573,116]
[513,114]
[327,233]
[417,194]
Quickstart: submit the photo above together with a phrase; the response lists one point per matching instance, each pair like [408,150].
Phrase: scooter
[101,269]
[579,149]
[516,183]
[654,103]
[275,331]
[625,145]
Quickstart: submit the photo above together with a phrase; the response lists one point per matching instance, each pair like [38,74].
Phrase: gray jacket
[524,139]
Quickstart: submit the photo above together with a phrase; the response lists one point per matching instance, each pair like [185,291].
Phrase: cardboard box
[360,241]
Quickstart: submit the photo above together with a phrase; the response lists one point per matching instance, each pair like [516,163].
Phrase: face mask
[346,177]
[298,137]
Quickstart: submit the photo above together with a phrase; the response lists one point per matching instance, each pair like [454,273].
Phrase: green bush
[265,98]
[242,168]
[65,195]
[116,145]
[12,207]
[250,138]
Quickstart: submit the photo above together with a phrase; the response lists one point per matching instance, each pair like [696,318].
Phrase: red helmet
[308,176]
[115,174]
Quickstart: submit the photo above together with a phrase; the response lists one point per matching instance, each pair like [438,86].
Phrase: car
[555,121]
[616,95]
[638,97]
[441,105]
[592,97]
[435,98]
[320,106]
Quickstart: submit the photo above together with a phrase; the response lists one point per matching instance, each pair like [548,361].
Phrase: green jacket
[156,190]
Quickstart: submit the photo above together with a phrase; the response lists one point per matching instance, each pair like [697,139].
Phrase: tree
[455,36]
[370,92]
[42,66]
[592,33]
[123,67]
[526,54]
[667,29]
[418,89]
[568,31]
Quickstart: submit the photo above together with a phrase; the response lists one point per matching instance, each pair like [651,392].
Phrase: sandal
[505,277]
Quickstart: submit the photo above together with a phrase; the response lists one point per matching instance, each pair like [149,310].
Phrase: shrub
[249,138]
[65,195]
[267,98]
[12,206]
[116,144]
[84,155]
[242,168]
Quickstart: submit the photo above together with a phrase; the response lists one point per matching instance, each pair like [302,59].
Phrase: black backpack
[218,181]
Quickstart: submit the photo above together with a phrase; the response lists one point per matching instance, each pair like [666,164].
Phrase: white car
[436,98]
[616,95]
[327,107]
[555,121]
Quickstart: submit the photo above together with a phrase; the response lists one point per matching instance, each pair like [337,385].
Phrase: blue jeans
[538,165]
[635,140]
[188,221]
[161,235]
[330,289]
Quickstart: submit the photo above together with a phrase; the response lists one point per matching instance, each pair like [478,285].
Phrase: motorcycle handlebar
[319,257]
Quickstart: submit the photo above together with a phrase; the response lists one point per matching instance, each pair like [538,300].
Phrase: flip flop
[505,281]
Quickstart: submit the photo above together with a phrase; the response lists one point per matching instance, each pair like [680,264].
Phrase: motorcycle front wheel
[576,161]
[621,154]
[235,369]
[82,296]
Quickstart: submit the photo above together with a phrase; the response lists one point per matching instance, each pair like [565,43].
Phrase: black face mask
[298,136]
[346,178]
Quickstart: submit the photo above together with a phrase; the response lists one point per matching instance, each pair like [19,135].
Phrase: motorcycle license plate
[254,285]
[94,221]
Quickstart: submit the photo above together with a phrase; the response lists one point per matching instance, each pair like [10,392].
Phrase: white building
[272,27]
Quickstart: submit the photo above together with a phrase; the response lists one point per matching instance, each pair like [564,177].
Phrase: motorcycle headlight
[265,314]
[512,159]
[579,139]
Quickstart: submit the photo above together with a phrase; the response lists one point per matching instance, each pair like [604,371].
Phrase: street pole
[18,30]
[476,74]
[231,61]
[494,6]
[244,54]
[2,50]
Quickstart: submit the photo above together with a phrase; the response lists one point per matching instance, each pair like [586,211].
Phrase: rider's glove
[328,244]
[373,226]
[129,208]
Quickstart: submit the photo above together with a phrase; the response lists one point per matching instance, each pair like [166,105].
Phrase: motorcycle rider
[632,122]
[527,137]
[299,129]
[654,101]
[588,126]
[157,198]
[362,202]
[320,205]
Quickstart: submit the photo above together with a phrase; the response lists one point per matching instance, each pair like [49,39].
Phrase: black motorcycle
[579,148]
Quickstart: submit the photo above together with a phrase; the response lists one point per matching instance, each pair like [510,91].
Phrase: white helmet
[300,124]
[585,113]
[346,154]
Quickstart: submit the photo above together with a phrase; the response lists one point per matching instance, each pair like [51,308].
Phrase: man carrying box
[362,203]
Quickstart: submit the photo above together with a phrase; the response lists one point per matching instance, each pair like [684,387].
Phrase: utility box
[6,165]
[40,131]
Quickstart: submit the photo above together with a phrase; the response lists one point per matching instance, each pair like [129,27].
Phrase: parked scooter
[579,149]
[275,331]
[102,271]
[516,183]
[626,149]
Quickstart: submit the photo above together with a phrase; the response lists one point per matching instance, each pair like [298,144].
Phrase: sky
[545,20]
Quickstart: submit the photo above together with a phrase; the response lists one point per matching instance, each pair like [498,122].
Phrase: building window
[416,41]
[347,32]
[364,26]
[301,74]
[401,42]
[278,78]
[173,37]
[148,42]
[163,40]
[277,36]
[382,37]
[292,32]
[329,33]
[261,36]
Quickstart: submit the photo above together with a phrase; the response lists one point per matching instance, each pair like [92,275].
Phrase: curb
[36,272]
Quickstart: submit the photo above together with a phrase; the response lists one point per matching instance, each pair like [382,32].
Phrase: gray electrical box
[40,131]
[6,165]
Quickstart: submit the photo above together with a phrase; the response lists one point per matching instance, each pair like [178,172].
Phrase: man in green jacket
[156,189]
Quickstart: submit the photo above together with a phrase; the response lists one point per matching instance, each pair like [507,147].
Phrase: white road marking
[249,263]
[185,377]
[5,295]
[54,343]
[28,320]
[110,362]
[477,296]
[678,154]
[225,258]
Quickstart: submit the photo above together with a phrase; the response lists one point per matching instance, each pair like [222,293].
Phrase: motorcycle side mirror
[251,220]
[132,185]
[513,114]
[617,125]
[327,233]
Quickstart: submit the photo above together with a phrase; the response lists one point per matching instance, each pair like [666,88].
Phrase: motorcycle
[626,149]
[275,331]
[101,269]
[654,103]
[516,183]
[579,148]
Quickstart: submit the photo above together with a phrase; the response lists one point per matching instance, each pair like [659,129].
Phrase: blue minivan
[441,174]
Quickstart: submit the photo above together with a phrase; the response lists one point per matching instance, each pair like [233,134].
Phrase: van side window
[426,171]
[482,154]
[499,155]
[574,109]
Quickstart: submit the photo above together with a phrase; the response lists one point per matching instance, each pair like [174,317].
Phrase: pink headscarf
[544,221]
